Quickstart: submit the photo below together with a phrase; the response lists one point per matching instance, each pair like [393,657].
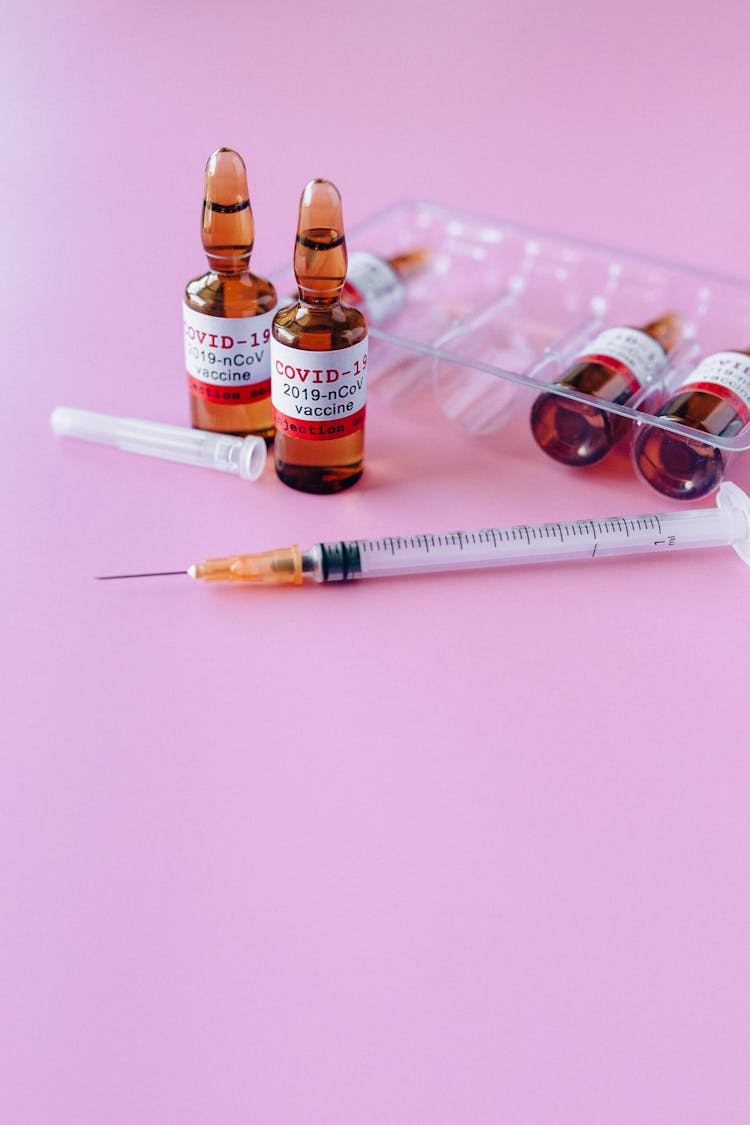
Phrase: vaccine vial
[319,358]
[377,285]
[714,400]
[228,312]
[614,367]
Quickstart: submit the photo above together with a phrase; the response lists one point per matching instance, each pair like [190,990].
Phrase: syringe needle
[151,574]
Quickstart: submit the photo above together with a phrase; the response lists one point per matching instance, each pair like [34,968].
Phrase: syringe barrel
[230,454]
[554,542]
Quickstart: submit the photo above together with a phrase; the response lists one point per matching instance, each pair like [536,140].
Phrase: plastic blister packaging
[499,311]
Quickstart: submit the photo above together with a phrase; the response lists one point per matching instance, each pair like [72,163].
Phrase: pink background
[462,849]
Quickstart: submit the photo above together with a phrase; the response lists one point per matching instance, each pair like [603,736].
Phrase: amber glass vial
[319,358]
[615,366]
[228,312]
[714,400]
[377,285]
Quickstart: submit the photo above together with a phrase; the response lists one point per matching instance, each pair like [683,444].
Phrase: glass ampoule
[228,312]
[319,358]
[377,286]
[714,400]
[615,366]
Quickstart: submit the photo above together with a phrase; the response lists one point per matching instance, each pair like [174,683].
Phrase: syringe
[728,524]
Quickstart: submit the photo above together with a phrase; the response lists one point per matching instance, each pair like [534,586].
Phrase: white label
[379,289]
[727,370]
[319,395]
[636,350]
[228,359]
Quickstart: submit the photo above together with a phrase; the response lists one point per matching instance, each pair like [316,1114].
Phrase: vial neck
[667,331]
[317,302]
[229,267]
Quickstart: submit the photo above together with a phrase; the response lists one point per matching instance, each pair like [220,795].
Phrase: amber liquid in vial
[716,401]
[319,358]
[229,364]
[578,434]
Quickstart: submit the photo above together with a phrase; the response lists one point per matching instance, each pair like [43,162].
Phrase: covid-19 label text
[228,359]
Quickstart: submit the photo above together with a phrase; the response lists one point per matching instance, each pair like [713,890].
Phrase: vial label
[228,359]
[319,395]
[726,374]
[633,354]
[372,284]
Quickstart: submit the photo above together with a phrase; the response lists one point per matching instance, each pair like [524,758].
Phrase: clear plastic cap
[246,457]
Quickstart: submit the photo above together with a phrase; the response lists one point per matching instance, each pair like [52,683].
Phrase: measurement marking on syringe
[479,547]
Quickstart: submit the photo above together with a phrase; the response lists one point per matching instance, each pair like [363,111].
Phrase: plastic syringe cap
[732,498]
[252,458]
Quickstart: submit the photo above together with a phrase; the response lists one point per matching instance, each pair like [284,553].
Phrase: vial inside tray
[500,310]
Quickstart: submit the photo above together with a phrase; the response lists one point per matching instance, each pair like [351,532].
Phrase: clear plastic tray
[501,310]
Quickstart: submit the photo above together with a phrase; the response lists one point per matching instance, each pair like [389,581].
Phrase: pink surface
[466,849]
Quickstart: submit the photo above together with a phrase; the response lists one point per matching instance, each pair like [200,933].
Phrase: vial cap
[228,230]
[320,258]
